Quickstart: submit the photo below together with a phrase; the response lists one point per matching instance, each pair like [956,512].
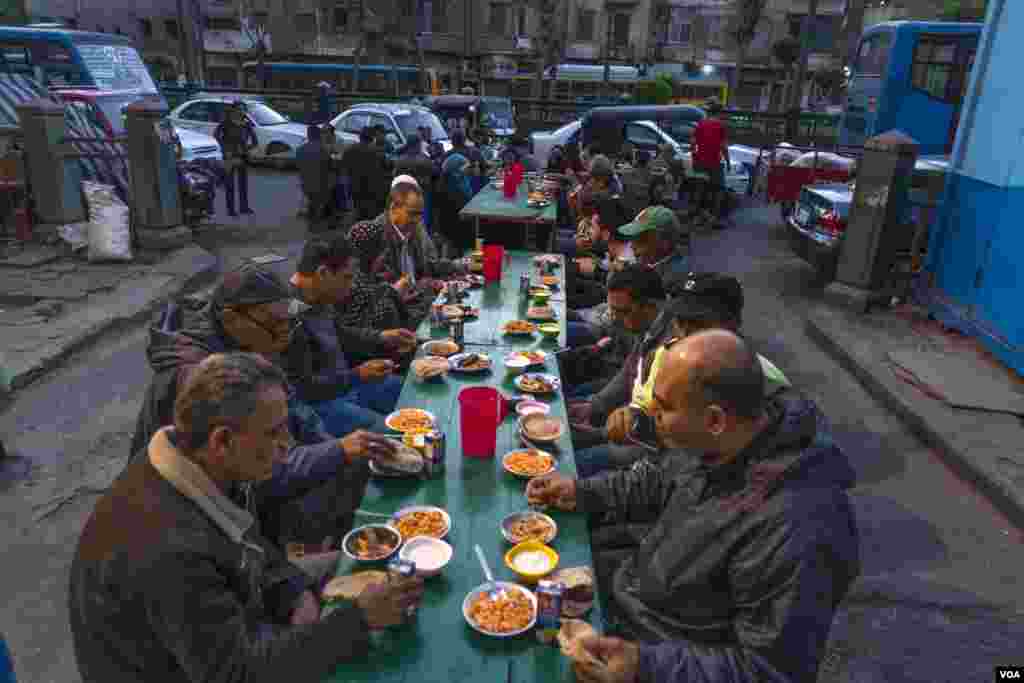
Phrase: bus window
[873,56]
[933,65]
[16,57]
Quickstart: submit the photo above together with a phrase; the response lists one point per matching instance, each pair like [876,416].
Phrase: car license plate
[803,215]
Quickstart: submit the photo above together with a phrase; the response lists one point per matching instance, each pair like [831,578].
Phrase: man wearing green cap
[659,242]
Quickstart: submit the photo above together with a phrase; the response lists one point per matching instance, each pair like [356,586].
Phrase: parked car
[277,136]
[819,219]
[643,135]
[107,109]
[399,122]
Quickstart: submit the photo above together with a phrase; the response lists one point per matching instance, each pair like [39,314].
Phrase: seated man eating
[635,296]
[315,491]
[173,579]
[346,398]
[409,259]
[752,548]
[708,301]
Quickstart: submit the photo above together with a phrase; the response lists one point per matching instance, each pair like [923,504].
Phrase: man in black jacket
[346,397]
[366,166]
[173,582]
[237,137]
[314,162]
[753,542]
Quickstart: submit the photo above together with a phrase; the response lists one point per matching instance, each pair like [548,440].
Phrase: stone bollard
[156,202]
[54,179]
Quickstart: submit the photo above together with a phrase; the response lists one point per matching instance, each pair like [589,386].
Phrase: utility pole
[184,42]
[806,36]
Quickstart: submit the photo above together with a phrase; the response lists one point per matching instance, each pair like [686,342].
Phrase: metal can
[458,328]
[549,609]
[437,314]
[524,283]
[401,569]
[436,443]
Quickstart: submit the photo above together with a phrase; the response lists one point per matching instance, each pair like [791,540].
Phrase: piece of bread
[569,637]
[350,586]
[404,459]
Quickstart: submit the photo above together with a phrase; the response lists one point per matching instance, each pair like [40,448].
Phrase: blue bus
[910,76]
[382,79]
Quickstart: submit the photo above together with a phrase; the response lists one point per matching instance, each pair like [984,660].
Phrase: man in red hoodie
[710,148]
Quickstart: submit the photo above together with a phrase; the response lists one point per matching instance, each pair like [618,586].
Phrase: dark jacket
[314,163]
[163,592]
[179,340]
[745,563]
[317,358]
[367,167]
[235,140]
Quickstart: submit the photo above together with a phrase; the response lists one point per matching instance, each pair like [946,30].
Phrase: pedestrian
[313,161]
[710,150]
[6,665]
[366,166]
[237,137]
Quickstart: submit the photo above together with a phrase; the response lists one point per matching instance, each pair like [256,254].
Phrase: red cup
[494,258]
[481,410]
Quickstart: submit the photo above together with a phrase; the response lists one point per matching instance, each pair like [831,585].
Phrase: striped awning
[18,89]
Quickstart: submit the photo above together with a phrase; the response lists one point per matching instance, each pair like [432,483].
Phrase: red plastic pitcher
[481,410]
[513,177]
[494,257]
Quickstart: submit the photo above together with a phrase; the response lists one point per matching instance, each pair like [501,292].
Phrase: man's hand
[552,489]
[579,412]
[307,610]
[375,370]
[584,243]
[403,341]
[403,286]
[620,659]
[363,444]
[586,265]
[387,604]
[620,424]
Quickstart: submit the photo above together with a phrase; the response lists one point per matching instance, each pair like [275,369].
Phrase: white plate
[492,586]
[504,463]
[423,508]
[389,418]
[522,354]
[453,361]
[430,348]
[507,522]
[551,379]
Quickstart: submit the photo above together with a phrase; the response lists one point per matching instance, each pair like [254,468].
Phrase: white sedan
[644,135]
[278,138]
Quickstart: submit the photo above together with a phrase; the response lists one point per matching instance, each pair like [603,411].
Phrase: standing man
[710,149]
[313,160]
[236,136]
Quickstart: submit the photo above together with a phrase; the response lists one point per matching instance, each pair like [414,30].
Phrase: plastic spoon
[493,593]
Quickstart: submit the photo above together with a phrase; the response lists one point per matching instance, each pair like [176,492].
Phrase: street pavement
[939,598]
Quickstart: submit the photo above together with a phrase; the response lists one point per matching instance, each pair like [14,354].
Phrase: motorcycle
[197,183]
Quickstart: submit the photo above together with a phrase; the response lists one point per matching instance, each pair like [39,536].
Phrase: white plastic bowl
[439,547]
[524,408]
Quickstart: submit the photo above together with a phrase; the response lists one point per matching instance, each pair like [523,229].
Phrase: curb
[960,462]
[179,284]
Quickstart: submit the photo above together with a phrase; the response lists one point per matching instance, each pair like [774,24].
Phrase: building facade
[490,44]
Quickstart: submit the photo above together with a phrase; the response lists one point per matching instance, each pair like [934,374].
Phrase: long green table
[489,204]
[439,646]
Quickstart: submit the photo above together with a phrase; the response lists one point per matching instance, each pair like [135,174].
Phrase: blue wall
[977,244]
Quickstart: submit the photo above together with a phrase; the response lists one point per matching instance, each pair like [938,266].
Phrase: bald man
[751,549]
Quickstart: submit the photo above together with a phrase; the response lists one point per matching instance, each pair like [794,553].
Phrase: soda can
[436,443]
[549,609]
[524,283]
[437,314]
[401,569]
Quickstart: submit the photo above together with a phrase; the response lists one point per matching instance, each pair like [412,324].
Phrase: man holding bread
[752,544]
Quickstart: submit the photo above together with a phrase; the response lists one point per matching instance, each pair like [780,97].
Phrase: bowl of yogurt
[531,560]
[430,555]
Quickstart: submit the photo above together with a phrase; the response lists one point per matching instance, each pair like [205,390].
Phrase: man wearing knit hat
[250,311]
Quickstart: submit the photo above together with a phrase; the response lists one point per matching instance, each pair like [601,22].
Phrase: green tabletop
[490,204]
[478,494]
[501,302]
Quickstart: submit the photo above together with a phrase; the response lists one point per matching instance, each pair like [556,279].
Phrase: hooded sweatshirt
[739,577]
